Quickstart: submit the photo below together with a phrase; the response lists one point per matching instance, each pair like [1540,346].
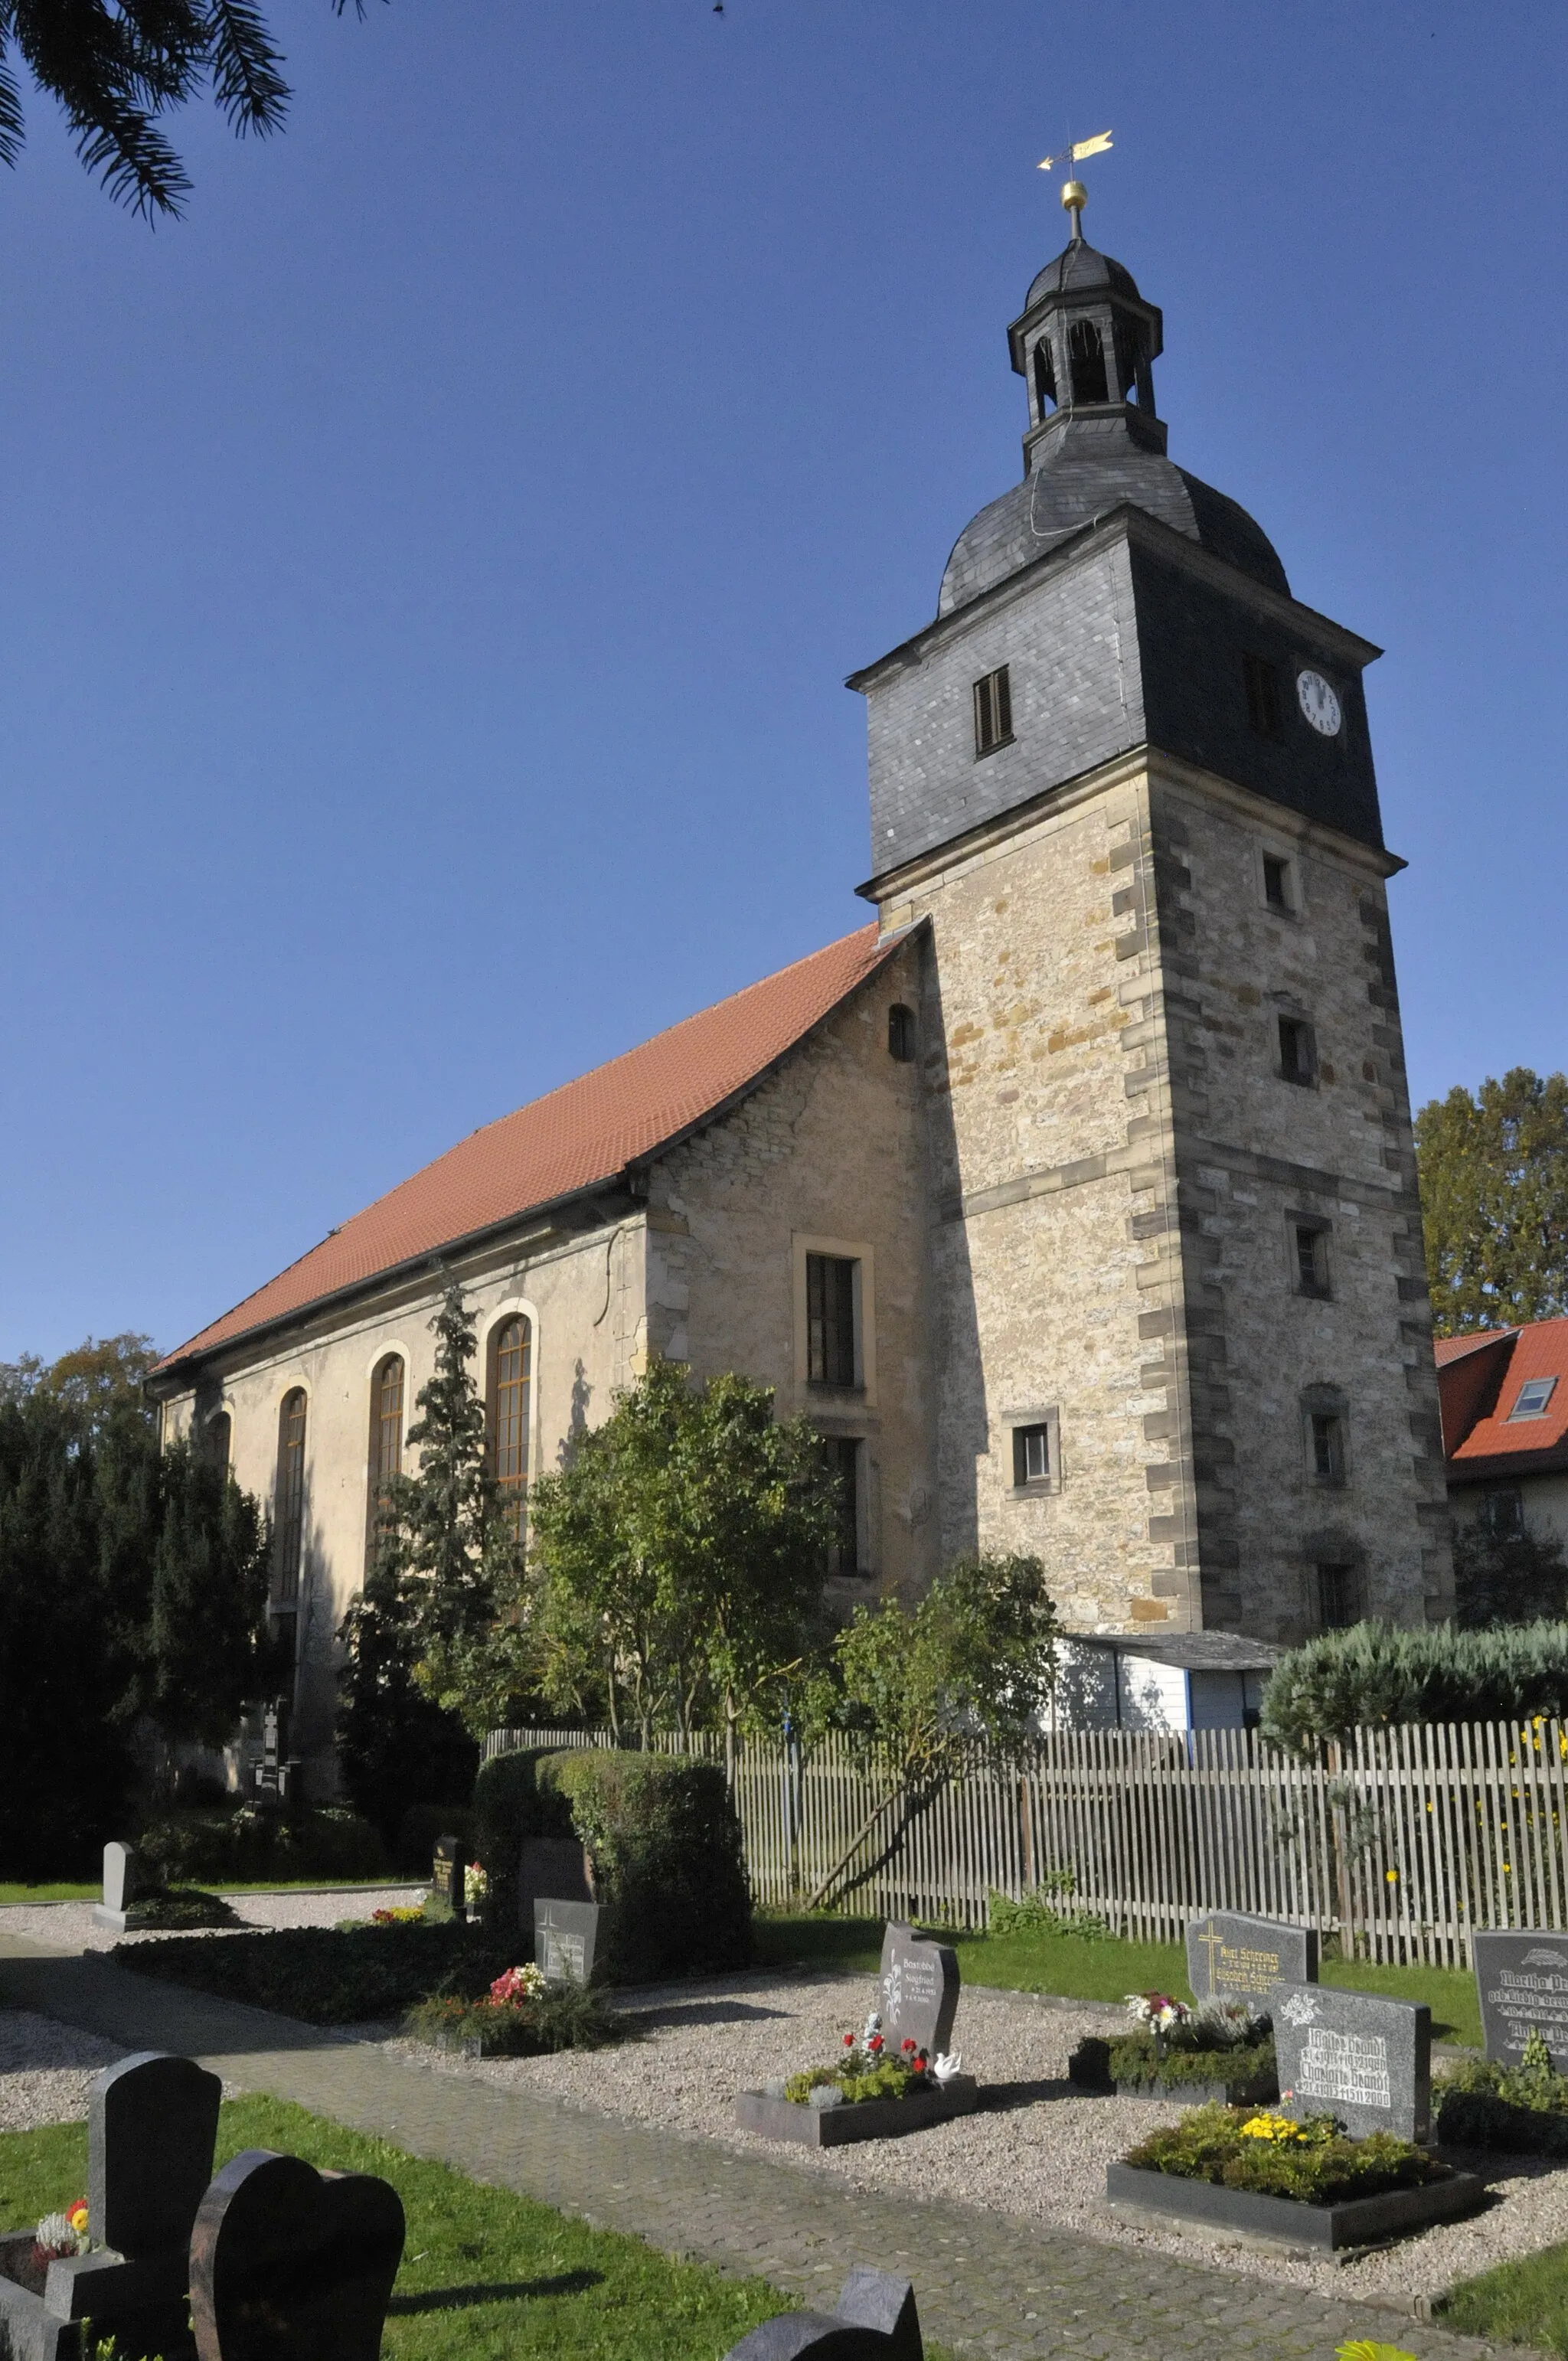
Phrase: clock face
[1319,703]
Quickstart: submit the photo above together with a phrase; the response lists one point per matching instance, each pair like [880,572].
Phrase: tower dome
[1085,345]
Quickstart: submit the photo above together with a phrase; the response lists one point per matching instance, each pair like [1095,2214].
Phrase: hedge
[1376,1673]
[246,1847]
[665,1843]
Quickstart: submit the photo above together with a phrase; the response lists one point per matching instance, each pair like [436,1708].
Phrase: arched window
[288,1503]
[1045,379]
[217,1440]
[1087,358]
[386,1436]
[512,1355]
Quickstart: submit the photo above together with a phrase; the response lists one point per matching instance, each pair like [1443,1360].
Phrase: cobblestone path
[985,2282]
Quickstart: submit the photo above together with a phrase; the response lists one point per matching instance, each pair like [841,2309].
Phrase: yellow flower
[77,2217]
[1391,1877]
[1271,2127]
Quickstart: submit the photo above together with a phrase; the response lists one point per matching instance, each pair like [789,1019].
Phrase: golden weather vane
[1074,195]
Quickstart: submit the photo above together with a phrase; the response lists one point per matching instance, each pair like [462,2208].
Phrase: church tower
[1124,786]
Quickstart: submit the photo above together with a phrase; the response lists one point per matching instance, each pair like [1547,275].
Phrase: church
[1073,1197]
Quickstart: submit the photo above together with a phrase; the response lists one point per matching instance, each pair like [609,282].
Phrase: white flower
[947,2063]
[873,2025]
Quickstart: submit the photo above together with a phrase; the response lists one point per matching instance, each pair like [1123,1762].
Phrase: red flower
[848,2041]
[875,2042]
[908,2042]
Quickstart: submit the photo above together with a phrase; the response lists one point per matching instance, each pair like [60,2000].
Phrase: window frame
[285,1575]
[903,1033]
[1299,1225]
[1302,1029]
[851,1451]
[862,1253]
[992,699]
[1518,1414]
[1029,1420]
[376,1472]
[1326,1441]
[1265,704]
[1344,1575]
[1285,864]
[511,1485]
[1498,1528]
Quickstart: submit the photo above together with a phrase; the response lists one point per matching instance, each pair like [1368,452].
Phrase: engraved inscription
[1350,2068]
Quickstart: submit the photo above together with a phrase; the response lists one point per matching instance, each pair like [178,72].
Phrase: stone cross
[1366,2061]
[875,2319]
[920,1991]
[1522,1982]
[289,2264]
[1230,1957]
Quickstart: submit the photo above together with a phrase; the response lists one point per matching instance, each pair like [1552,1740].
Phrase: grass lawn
[1524,2302]
[12,1893]
[1077,1970]
[486,2276]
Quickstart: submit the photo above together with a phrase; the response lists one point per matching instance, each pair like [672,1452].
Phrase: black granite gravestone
[1368,2061]
[1522,1981]
[446,1898]
[551,1869]
[875,2319]
[919,1990]
[289,2264]
[564,1935]
[1229,1957]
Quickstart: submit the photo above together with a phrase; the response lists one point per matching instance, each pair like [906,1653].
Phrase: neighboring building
[1195,1680]
[1505,1428]
[1075,1199]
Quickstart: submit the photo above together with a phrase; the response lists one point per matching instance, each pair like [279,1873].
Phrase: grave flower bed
[1220,2045]
[520,2016]
[867,2070]
[1522,2109]
[1313,2162]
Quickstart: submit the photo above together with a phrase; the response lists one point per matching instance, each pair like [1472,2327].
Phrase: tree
[116,65]
[396,1746]
[1494,1173]
[103,1376]
[1376,1673]
[926,1688]
[677,1558]
[1519,1578]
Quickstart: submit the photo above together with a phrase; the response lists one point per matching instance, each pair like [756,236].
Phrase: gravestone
[445,1898]
[875,2319]
[124,1883]
[1229,1957]
[289,2264]
[1344,2053]
[551,1869]
[564,1935]
[1522,1982]
[920,1991]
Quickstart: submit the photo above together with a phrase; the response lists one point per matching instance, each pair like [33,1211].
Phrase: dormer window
[992,712]
[1534,1395]
[1045,379]
[1086,354]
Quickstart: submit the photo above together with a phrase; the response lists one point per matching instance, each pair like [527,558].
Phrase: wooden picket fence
[1402,1843]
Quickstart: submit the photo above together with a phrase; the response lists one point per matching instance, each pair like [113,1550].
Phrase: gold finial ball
[1074,195]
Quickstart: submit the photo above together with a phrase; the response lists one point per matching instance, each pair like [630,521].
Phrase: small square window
[1031,1455]
[1297,1061]
[1502,1511]
[1338,1597]
[830,1354]
[1326,1434]
[1312,1243]
[1262,709]
[1278,885]
[901,1033]
[1534,1395]
[992,712]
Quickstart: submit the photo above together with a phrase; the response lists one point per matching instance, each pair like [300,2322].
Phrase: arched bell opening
[1086,359]
[1045,380]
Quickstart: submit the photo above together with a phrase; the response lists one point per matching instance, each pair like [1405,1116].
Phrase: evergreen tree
[1494,1174]
[1518,1577]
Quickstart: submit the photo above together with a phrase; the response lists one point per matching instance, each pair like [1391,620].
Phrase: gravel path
[1040,2151]
[68,1926]
[46,2070]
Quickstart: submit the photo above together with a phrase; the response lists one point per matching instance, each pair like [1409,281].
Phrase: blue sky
[428,573]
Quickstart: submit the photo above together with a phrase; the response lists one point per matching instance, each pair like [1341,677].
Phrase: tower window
[288,1503]
[1326,1446]
[1045,379]
[1086,355]
[512,1361]
[1534,1395]
[901,1033]
[830,1290]
[1338,1600]
[1312,1243]
[992,712]
[1278,885]
[1263,706]
[845,1552]
[1297,1056]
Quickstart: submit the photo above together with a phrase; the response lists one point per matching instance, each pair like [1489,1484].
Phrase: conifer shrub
[1377,1673]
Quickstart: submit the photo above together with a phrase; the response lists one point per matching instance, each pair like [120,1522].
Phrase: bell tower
[1123,781]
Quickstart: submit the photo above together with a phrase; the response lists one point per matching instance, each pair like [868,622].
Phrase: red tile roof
[1480,1388]
[585,1134]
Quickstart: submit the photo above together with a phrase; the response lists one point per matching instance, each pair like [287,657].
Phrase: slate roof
[585,1135]
[1194,1651]
[1079,270]
[1479,1381]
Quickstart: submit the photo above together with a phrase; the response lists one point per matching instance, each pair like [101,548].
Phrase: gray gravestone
[551,1869]
[1233,1957]
[1344,2053]
[123,1883]
[152,2122]
[446,1879]
[919,1990]
[564,1934]
[875,2319]
[1522,1982]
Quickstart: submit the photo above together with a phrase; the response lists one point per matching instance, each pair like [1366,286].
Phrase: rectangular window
[1031,1455]
[1534,1395]
[1277,884]
[1312,1259]
[1328,1448]
[1297,1061]
[830,1319]
[842,1453]
[992,712]
[1338,1602]
[1502,1511]
[1262,696]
